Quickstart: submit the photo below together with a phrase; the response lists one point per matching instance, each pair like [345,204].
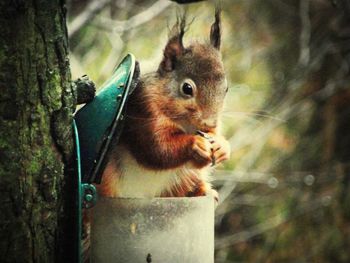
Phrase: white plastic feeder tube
[159,230]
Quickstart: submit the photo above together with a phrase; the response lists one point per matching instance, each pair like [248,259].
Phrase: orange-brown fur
[160,127]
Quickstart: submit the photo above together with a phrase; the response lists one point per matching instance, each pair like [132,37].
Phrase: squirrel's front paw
[202,151]
[221,148]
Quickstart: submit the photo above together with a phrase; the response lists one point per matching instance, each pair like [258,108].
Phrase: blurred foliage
[285,194]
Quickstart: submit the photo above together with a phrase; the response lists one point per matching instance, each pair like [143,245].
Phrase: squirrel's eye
[187,89]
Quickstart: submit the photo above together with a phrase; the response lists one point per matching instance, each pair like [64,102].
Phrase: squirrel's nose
[209,123]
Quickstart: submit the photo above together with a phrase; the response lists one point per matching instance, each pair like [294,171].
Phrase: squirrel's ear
[215,31]
[174,48]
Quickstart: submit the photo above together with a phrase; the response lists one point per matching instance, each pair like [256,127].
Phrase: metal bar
[79,193]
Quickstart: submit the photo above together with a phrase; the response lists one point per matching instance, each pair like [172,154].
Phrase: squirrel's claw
[215,194]
[221,149]
[202,151]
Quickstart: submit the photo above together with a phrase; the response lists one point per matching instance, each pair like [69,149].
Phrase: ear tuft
[215,31]
[174,48]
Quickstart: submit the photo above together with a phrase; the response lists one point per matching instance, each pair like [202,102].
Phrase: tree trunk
[36,106]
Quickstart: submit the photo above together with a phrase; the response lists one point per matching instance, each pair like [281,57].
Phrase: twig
[186,1]
[286,109]
[270,224]
[305,34]
[136,20]
[85,16]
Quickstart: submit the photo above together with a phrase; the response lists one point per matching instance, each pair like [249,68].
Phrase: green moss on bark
[36,106]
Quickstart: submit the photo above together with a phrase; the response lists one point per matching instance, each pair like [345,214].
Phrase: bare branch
[305,34]
[271,223]
[136,20]
[85,16]
[186,1]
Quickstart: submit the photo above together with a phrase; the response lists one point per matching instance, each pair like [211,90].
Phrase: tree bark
[36,106]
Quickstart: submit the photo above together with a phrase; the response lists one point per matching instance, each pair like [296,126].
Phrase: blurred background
[285,192]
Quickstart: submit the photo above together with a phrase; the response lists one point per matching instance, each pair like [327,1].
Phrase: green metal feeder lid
[100,120]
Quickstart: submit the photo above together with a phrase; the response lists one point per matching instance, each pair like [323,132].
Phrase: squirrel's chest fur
[135,180]
[127,176]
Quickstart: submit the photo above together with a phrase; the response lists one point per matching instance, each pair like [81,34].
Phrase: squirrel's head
[194,77]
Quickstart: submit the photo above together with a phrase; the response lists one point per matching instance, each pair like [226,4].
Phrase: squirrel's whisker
[252,114]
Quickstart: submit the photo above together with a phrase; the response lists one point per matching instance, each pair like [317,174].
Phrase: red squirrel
[171,136]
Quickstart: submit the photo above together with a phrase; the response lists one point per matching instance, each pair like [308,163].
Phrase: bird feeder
[133,229]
